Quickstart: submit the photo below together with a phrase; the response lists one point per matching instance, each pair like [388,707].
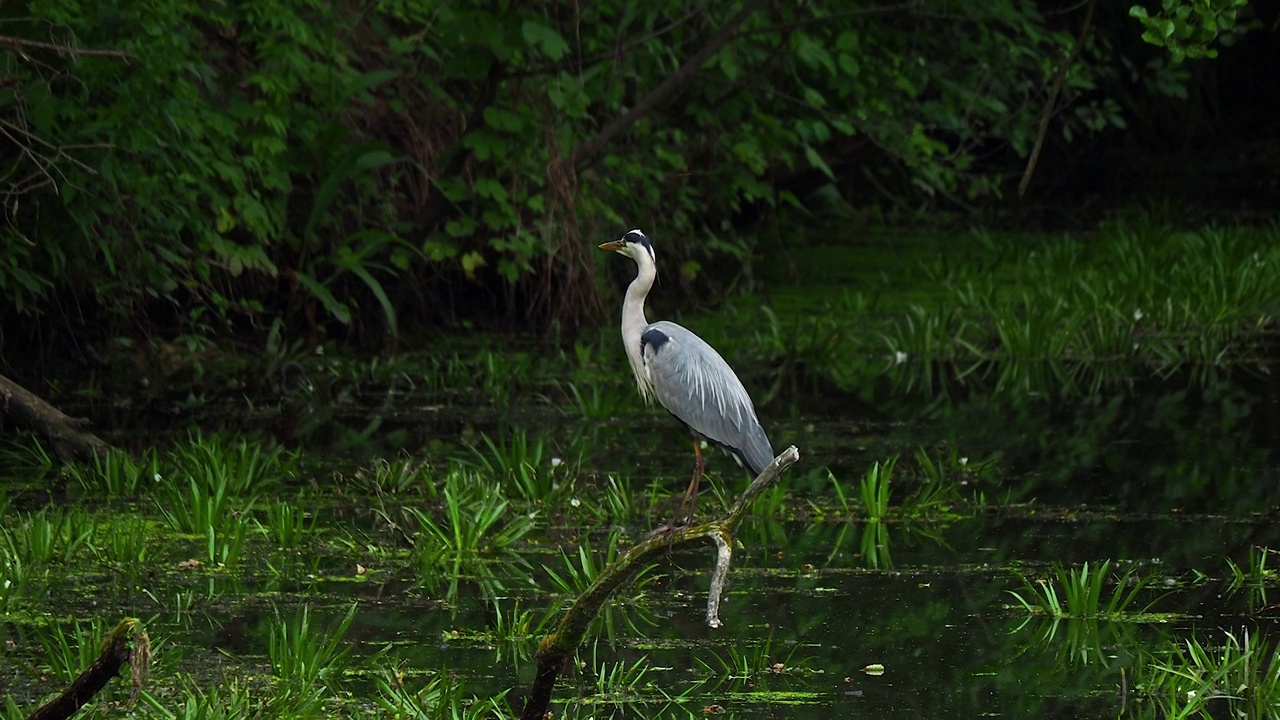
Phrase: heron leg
[684,516]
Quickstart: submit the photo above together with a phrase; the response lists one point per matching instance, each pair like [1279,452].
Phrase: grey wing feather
[696,385]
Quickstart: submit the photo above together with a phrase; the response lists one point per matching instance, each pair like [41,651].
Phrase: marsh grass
[68,651]
[514,633]
[733,668]
[396,478]
[238,466]
[520,464]
[26,459]
[1235,679]
[235,699]
[51,535]
[1079,645]
[13,577]
[201,505]
[224,546]
[619,681]
[1255,578]
[287,524]
[1078,314]
[476,525]
[579,570]
[442,696]
[117,473]
[1081,593]
[122,542]
[595,401]
[302,653]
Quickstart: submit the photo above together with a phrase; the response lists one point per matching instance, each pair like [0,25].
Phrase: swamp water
[926,589]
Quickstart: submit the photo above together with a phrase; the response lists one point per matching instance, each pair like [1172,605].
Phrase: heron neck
[634,321]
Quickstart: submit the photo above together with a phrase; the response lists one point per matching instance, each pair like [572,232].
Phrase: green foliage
[476,519]
[69,652]
[1240,677]
[306,658]
[117,473]
[1079,592]
[1189,27]
[518,463]
[288,525]
[238,466]
[1079,314]
[244,150]
[442,696]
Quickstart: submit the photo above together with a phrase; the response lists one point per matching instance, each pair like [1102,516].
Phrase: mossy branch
[556,649]
[127,643]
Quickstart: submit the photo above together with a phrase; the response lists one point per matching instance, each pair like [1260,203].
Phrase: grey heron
[687,376]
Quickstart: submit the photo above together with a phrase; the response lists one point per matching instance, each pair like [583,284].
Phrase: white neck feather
[634,322]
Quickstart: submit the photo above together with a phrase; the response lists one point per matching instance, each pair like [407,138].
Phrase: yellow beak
[614,245]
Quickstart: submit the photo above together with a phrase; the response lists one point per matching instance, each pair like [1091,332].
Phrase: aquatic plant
[476,518]
[234,466]
[582,568]
[1255,577]
[51,535]
[26,458]
[122,543]
[401,476]
[772,503]
[232,699]
[287,524]
[1078,314]
[873,488]
[224,545]
[734,667]
[519,463]
[307,662]
[207,501]
[1081,594]
[117,473]
[599,401]
[67,652]
[442,696]
[1238,678]
[13,575]
[618,681]
[875,543]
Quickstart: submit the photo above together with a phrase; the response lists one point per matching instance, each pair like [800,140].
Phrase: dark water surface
[828,614]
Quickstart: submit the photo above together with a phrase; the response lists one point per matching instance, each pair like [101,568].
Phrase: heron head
[634,244]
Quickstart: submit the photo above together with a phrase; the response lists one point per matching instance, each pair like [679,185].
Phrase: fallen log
[70,440]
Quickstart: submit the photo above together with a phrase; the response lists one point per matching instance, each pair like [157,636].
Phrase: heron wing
[696,385]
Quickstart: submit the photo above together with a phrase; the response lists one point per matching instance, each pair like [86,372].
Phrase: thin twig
[64,49]
[588,152]
[1053,99]
[783,27]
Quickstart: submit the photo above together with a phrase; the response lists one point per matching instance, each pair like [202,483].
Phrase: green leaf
[816,160]
[503,119]
[471,262]
[545,38]
[388,310]
[338,310]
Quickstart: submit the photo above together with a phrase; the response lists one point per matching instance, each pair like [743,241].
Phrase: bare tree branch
[1053,99]
[587,153]
[63,49]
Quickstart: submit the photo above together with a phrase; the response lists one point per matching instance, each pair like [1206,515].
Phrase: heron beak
[614,245]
